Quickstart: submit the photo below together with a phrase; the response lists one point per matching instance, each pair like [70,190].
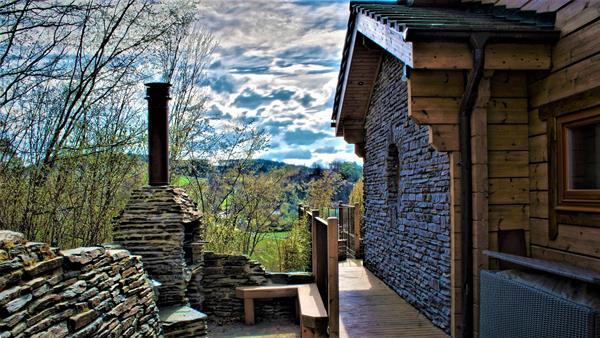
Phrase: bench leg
[307,332]
[249,311]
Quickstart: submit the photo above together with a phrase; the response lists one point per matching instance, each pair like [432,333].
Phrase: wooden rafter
[387,37]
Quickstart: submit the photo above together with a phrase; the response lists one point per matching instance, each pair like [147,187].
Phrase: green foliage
[349,171]
[221,238]
[296,247]
[268,251]
[322,190]
[75,202]
[357,194]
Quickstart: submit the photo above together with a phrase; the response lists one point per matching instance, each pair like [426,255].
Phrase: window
[578,150]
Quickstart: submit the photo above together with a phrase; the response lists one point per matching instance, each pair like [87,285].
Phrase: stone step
[183,322]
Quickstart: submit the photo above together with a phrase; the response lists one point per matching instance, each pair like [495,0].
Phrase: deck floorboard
[369,308]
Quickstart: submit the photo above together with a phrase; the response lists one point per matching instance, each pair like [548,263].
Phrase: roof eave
[414,34]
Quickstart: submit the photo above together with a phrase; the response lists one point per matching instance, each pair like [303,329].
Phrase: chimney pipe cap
[157,90]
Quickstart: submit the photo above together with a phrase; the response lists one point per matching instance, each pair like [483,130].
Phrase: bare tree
[71,76]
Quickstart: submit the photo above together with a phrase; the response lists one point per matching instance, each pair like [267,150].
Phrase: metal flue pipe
[157,94]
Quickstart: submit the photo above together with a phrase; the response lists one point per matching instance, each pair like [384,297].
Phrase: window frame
[573,199]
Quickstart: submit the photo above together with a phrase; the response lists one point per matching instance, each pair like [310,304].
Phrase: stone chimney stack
[161,224]
[157,94]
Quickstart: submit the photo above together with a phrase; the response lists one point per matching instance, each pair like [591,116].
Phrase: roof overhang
[371,33]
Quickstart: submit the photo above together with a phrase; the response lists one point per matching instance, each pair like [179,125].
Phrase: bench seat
[313,315]
[310,307]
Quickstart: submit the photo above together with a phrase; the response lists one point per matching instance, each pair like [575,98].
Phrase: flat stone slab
[13,236]
[180,314]
[83,255]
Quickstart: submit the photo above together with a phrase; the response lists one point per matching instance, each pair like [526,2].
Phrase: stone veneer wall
[84,292]
[406,221]
[161,223]
[223,273]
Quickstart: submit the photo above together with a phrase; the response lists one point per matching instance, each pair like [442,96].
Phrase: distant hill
[349,171]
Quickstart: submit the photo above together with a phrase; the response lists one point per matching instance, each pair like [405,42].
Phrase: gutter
[467,104]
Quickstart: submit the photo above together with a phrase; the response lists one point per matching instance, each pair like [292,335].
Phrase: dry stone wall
[162,224]
[406,221]
[85,292]
[223,273]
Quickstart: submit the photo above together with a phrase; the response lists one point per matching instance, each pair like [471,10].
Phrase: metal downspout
[467,104]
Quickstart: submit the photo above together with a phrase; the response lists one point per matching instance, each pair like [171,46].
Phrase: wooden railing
[349,232]
[324,252]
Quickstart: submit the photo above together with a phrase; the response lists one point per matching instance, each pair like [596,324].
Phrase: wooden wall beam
[444,137]
[438,83]
[434,110]
[354,136]
[498,56]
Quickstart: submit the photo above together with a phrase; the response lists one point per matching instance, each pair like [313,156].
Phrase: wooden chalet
[506,94]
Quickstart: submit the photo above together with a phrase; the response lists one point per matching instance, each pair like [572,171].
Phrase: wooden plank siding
[508,153]
[575,69]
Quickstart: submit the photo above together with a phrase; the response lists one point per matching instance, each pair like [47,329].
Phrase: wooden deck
[369,308]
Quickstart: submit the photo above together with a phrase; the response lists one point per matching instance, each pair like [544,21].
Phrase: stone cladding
[406,220]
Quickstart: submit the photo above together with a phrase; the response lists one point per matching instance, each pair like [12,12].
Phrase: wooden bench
[309,305]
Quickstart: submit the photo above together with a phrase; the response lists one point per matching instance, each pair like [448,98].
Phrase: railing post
[357,228]
[313,235]
[333,301]
[340,220]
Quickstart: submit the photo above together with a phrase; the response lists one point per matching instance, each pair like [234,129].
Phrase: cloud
[326,150]
[250,99]
[292,154]
[281,75]
[306,100]
[303,137]
[251,70]
[215,65]
[275,126]
[214,113]
[221,84]
[246,118]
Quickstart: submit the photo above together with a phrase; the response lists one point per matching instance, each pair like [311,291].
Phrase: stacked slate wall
[223,273]
[84,292]
[406,221]
[162,224]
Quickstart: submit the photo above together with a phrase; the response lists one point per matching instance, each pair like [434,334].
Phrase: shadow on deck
[260,330]
[369,308]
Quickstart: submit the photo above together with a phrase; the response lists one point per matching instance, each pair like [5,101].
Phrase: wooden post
[249,311]
[341,220]
[357,228]
[333,302]
[313,235]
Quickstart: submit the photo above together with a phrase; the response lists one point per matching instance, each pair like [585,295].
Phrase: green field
[267,250]
[181,181]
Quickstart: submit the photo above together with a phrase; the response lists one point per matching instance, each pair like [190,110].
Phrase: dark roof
[444,23]
[473,18]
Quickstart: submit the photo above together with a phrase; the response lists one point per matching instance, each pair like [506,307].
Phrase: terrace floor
[368,309]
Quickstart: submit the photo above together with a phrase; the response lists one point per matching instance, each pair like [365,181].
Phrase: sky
[277,64]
